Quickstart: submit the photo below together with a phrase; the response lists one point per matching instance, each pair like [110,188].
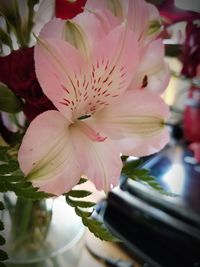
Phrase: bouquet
[79,93]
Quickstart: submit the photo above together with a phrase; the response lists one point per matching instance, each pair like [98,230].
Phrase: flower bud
[154,27]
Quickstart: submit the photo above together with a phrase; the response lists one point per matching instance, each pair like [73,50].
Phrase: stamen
[84,117]
[90,132]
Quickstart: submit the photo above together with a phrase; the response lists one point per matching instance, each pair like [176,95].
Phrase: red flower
[67,10]
[18,73]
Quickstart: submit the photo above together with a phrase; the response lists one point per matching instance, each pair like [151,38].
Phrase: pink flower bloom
[144,20]
[85,72]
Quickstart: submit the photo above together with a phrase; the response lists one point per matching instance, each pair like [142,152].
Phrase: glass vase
[44,233]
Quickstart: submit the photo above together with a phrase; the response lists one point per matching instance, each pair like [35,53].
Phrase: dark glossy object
[161,231]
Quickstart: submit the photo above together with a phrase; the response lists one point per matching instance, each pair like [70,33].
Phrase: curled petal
[46,155]
[153,67]
[137,121]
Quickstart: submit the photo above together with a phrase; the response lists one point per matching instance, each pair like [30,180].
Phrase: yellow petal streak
[74,34]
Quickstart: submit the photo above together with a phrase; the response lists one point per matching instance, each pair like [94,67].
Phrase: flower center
[88,129]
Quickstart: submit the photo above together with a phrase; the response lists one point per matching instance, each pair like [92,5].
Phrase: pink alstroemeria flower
[85,72]
[144,20]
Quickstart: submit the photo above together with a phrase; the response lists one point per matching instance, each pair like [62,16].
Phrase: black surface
[162,231]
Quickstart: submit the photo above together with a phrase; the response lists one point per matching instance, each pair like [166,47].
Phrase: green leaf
[133,171]
[3,255]
[10,178]
[130,165]
[8,168]
[2,264]
[82,204]
[79,193]
[3,152]
[82,180]
[83,213]
[5,39]
[9,102]
[3,187]
[98,229]
[1,205]
[95,227]
[137,172]
[28,193]
[1,226]
[2,240]
[23,189]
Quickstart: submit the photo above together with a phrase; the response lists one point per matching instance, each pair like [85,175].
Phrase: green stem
[22,216]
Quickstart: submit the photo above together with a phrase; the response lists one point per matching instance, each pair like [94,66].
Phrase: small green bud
[154,26]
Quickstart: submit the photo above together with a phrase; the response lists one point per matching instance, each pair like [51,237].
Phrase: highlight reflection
[175,178]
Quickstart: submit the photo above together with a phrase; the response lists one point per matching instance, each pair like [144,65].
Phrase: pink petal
[100,161]
[53,29]
[138,146]
[46,155]
[114,61]
[96,25]
[96,4]
[137,16]
[153,15]
[135,122]
[57,64]
[153,66]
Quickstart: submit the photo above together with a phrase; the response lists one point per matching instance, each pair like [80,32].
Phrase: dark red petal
[68,10]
